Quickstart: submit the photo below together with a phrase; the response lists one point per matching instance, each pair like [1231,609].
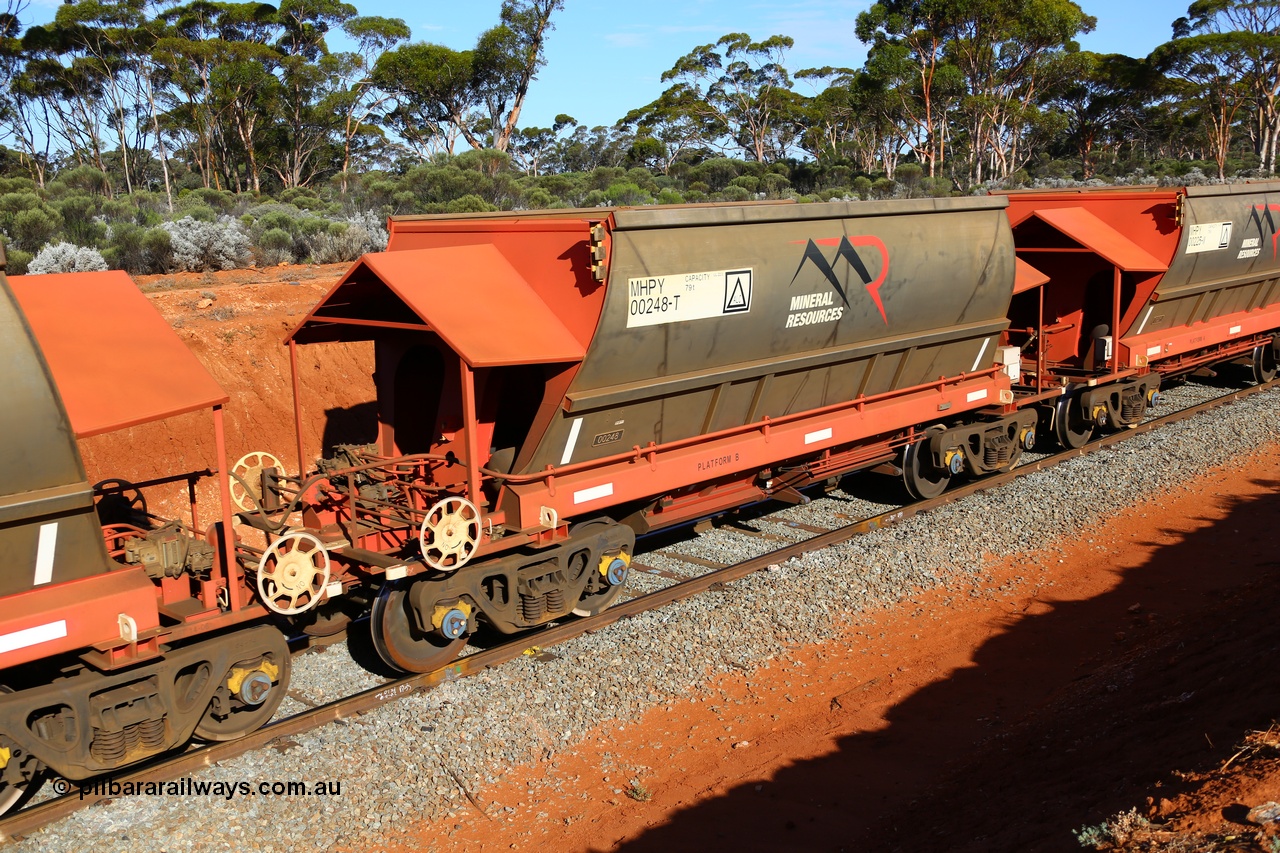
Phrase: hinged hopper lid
[1092,233]
[471,296]
[117,363]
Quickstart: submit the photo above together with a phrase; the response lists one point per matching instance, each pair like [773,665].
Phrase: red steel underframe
[655,470]
[1224,336]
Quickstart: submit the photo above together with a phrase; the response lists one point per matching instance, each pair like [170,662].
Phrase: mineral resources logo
[846,251]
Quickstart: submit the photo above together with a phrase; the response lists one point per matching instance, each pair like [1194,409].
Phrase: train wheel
[250,694]
[593,603]
[599,594]
[398,639]
[20,782]
[1072,429]
[1264,364]
[923,479]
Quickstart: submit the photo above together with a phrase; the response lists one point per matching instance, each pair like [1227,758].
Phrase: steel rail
[35,817]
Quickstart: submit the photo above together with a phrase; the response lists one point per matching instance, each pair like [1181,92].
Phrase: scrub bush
[66,257]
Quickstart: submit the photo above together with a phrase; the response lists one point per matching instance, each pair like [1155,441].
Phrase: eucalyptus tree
[1102,100]
[742,88]
[1243,38]
[1218,71]
[23,114]
[908,40]
[480,92]
[221,93]
[354,97]
[674,125]
[306,75]
[856,117]
[1010,54]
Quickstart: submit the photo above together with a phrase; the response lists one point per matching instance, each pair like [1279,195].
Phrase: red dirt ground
[1122,675]
[1124,672]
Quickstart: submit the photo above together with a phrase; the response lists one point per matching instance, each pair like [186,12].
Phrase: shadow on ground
[1064,718]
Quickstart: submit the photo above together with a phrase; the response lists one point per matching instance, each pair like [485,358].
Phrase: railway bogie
[84,721]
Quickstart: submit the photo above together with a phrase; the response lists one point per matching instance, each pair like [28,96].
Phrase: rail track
[71,798]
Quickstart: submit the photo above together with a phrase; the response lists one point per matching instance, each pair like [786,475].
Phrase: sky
[607,58]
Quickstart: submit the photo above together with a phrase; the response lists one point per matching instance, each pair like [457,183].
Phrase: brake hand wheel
[450,534]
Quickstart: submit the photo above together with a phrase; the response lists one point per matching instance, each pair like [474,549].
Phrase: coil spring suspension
[998,451]
[531,607]
[555,601]
[1132,407]
[110,747]
[152,733]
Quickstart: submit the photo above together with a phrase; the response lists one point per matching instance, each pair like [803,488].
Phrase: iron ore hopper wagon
[1143,284]
[550,385]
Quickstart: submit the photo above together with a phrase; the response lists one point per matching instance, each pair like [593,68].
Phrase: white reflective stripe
[820,435]
[1234,330]
[1143,324]
[1155,350]
[591,494]
[974,396]
[573,439]
[981,353]
[44,552]
[32,636]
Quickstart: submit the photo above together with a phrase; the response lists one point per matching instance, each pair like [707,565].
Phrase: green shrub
[80,222]
[774,185]
[275,246]
[837,176]
[862,186]
[193,208]
[275,220]
[938,187]
[736,193]
[537,198]
[34,228]
[469,203]
[159,248]
[908,177]
[17,261]
[627,194]
[17,185]
[302,198]
[603,176]
[883,188]
[117,210]
[717,172]
[750,183]
[81,179]
[138,250]
[220,200]
[670,196]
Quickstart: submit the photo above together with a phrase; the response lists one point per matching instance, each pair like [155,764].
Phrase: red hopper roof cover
[117,363]
[471,296]
[1091,232]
